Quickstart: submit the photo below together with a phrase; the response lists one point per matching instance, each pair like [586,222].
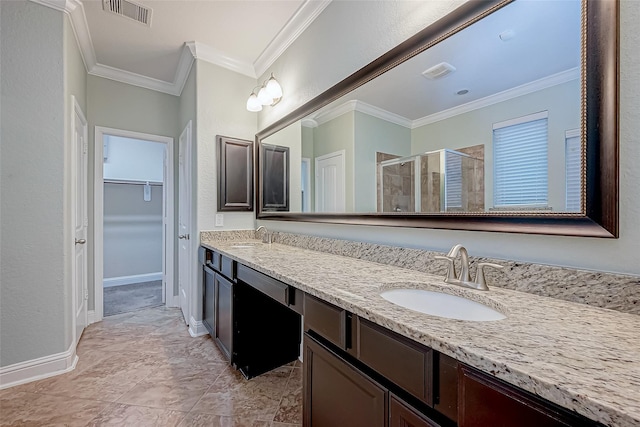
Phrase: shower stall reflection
[437,181]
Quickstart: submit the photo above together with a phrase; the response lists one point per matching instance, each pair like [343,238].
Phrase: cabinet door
[403,415]
[208,301]
[337,394]
[487,401]
[235,174]
[224,315]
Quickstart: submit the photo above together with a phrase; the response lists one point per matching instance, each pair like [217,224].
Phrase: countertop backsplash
[606,290]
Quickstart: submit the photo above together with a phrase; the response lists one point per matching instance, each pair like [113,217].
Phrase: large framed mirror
[501,116]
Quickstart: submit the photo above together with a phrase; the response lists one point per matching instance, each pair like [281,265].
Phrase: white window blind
[453,180]
[573,169]
[520,161]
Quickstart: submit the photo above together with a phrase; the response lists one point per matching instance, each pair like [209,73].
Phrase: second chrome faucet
[464,278]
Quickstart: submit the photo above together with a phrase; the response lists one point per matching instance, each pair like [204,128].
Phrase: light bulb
[253,104]
[274,88]
[264,97]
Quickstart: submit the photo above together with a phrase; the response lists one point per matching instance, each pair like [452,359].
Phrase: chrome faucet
[266,236]
[464,279]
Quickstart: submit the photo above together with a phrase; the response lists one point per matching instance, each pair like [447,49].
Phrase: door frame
[306,199]
[98,214]
[76,110]
[187,132]
[342,155]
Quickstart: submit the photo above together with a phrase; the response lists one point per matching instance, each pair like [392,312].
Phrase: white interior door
[330,183]
[184,221]
[80,221]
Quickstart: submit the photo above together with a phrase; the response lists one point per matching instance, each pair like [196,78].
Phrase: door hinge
[86,294]
[85,148]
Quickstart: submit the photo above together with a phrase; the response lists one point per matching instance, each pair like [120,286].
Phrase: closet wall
[132,225]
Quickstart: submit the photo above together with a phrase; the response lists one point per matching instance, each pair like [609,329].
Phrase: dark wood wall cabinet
[356,372]
[235,174]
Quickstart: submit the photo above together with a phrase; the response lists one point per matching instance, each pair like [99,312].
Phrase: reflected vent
[129,10]
[440,70]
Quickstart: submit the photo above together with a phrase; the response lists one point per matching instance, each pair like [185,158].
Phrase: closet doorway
[133,212]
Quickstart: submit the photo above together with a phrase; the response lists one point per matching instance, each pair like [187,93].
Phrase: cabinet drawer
[326,320]
[212,259]
[228,267]
[404,362]
[265,284]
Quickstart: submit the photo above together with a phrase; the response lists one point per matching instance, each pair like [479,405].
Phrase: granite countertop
[583,358]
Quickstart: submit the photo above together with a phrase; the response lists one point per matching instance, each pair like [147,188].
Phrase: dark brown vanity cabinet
[248,315]
[488,401]
[356,371]
[338,394]
[224,318]
[402,414]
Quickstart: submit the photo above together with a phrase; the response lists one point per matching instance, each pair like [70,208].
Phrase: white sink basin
[243,245]
[441,305]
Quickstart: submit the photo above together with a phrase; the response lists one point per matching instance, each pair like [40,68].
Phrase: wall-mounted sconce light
[270,93]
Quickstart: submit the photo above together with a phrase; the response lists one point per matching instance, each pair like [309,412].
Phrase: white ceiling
[246,36]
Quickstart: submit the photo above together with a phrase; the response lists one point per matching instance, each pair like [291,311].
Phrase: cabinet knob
[183,236]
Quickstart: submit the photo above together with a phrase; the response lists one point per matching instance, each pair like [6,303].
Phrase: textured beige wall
[34,321]
[121,106]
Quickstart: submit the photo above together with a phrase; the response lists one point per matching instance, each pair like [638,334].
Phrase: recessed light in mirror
[462,92]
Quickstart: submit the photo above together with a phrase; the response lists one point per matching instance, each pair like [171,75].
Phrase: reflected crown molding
[354,105]
[525,89]
[309,123]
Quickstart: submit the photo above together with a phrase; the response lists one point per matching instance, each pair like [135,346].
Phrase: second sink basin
[441,305]
[243,245]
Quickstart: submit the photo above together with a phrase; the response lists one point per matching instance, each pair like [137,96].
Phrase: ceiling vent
[129,10]
[439,70]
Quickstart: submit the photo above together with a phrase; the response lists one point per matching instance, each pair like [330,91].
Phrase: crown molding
[134,79]
[361,107]
[309,123]
[299,22]
[324,116]
[209,54]
[525,89]
[184,67]
[75,10]
[303,17]
[383,114]
[329,114]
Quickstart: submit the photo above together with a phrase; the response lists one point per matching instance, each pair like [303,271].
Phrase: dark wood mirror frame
[599,130]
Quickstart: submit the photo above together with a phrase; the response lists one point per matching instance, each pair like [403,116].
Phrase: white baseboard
[91,317]
[38,369]
[196,328]
[129,280]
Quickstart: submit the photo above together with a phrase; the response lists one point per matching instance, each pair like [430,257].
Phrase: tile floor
[144,369]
